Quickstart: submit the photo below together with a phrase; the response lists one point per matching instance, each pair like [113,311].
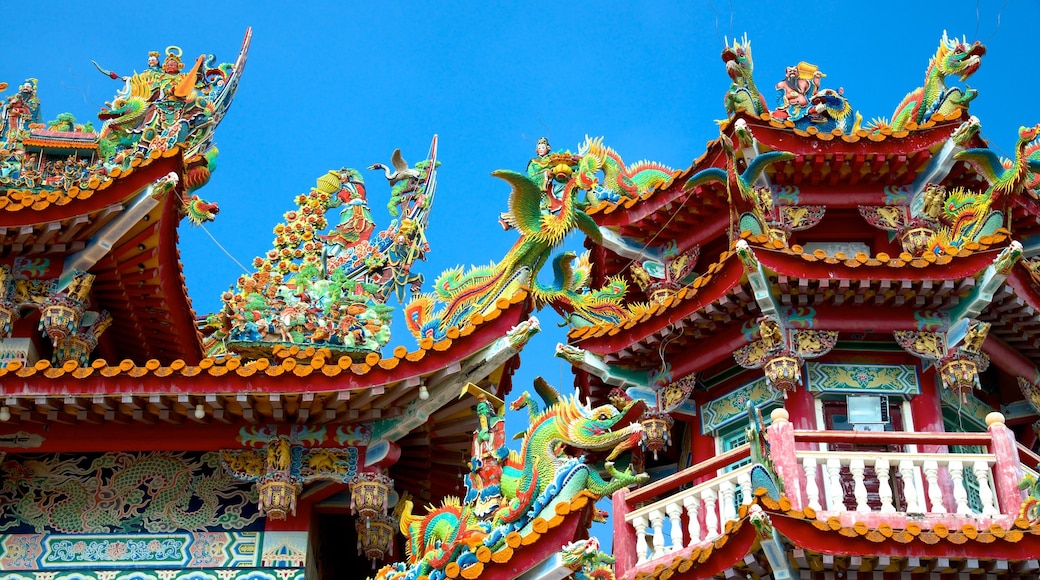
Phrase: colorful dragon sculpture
[570,296]
[752,203]
[533,481]
[330,289]
[961,215]
[545,205]
[953,57]
[743,96]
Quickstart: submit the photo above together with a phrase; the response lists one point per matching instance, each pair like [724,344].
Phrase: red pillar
[801,406]
[926,410]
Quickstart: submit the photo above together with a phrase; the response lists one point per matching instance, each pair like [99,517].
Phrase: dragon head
[605,428]
[199,210]
[738,59]
[1028,134]
[957,57]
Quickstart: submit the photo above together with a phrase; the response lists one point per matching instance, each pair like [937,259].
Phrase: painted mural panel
[860,379]
[733,405]
[123,493]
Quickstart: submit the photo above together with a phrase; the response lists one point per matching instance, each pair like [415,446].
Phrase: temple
[812,353]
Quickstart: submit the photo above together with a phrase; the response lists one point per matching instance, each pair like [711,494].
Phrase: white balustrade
[715,501]
[982,473]
[675,511]
[639,523]
[914,470]
[836,497]
[960,493]
[812,491]
[657,523]
[710,505]
[907,473]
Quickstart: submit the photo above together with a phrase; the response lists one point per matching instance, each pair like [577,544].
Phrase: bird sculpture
[401,170]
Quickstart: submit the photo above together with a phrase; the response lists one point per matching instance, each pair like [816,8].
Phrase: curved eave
[780,137]
[709,287]
[805,144]
[34,208]
[569,523]
[703,560]
[1017,543]
[796,263]
[230,384]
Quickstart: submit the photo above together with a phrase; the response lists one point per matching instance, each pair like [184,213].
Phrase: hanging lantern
[278,495]
[376,537]
[960,375]
[783,373]
[657,429]
[59,321]
[370,495]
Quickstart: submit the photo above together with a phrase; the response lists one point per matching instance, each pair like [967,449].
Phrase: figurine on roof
[794,92]
[25,103]
[355,219]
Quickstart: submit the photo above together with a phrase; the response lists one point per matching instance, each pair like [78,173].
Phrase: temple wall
[140,515]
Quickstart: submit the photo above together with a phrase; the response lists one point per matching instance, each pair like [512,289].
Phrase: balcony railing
[685,510]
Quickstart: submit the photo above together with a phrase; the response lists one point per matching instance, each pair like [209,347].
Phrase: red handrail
[688,475]
[892,437]
[1027,457]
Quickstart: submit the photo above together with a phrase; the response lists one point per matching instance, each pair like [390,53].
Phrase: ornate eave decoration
[959,360]
[780,352]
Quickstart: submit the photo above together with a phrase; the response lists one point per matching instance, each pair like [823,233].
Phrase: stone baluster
[693,505]
[883,468]
[711,517]
[642,550]
[657,523]
[835,495]
[960,494]
[981,469]
[674,511]
[727,505]
[812,491]
[935,496]
[857,467]
[907,473]
[746,492]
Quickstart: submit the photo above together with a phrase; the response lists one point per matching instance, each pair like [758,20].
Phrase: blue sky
[340,84]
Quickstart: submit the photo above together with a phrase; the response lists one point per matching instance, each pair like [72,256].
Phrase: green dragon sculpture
[533,481]
[743,96]
[752,203]
[570,296]
[964,215]
[953,57]
[544,206]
